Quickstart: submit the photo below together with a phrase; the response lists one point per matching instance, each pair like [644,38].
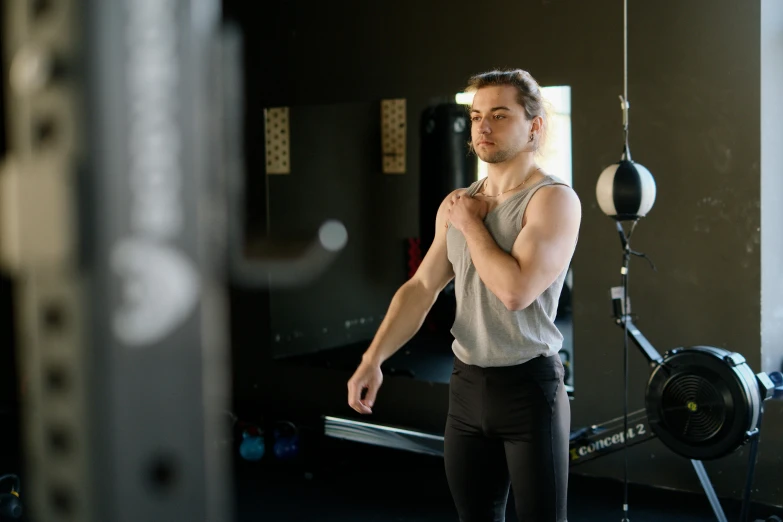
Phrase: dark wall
[694,89]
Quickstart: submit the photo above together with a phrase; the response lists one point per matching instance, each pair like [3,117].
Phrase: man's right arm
[407,312]
[414,299]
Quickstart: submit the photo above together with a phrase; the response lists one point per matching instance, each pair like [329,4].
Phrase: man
[507,240]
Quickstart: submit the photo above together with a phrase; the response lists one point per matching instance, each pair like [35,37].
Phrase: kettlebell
[10,503]
[286,440]
[252,447]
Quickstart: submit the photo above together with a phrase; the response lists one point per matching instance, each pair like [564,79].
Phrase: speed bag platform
[705,402]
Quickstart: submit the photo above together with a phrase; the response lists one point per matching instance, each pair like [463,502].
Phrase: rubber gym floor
[341,481]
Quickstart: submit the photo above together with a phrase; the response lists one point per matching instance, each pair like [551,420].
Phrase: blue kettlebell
[252,447]
[286,440]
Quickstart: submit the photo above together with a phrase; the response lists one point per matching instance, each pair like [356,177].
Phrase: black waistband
[536,361]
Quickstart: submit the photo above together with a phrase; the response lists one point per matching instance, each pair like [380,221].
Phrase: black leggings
[508,426]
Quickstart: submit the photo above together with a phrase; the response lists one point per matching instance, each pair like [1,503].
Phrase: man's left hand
[465,210]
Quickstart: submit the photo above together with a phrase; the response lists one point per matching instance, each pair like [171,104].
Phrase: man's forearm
[499,271]
[407,311]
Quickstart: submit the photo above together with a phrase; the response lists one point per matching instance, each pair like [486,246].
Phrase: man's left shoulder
[556,195]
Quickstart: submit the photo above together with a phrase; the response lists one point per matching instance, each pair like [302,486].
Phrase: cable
[624,98]
[625,55]
[626,265]
[627,253]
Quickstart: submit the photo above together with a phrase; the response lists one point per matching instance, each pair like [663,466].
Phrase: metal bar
[648,350]
[752,458]
[586,444]
[598,440]
[114,245]
[386,436]
[155,322]
[707,486]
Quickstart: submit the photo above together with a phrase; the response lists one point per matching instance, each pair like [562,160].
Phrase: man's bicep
[546,243]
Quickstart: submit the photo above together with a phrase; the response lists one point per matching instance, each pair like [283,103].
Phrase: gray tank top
[486,333]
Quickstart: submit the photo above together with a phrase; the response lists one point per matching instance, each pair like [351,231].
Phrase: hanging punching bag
[626,190]
[445,162]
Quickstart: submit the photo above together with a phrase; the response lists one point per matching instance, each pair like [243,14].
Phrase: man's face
[499,126]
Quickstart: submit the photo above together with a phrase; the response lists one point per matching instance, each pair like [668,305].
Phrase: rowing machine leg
[708,489]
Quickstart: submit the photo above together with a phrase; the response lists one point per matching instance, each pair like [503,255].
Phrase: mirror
[336,172]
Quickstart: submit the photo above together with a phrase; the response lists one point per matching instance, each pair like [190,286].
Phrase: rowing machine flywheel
[703,402]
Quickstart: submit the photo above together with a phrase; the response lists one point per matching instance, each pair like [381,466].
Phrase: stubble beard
[498,156]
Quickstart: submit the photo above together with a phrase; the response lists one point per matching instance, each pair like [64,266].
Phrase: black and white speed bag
[625,190]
